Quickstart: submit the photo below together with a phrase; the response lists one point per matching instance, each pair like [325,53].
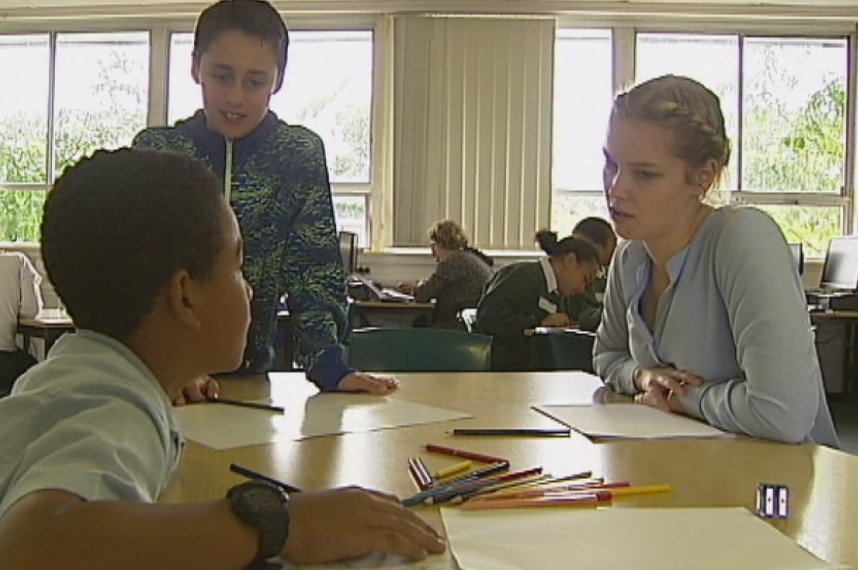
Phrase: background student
[585,309]
[275,178]
[459,278]
[20,298]
[90,439]
[525,295]
[704,311]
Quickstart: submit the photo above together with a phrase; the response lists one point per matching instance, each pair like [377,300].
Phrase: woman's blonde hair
[449,235]
[688,109]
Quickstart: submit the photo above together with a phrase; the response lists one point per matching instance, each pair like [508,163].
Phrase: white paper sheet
[632,421]
[612,538]
[223,427]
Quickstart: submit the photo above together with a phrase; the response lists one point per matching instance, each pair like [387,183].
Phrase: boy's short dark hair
[596,230]
[256,18]
[117,226]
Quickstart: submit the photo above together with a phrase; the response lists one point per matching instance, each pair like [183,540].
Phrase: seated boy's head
[600,233]
[239,57]
[141,243]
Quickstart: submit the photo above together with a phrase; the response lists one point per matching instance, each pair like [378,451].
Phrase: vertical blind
[472,127]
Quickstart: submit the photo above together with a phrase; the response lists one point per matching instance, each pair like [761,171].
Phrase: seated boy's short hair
[118,225]
[596,230]
[256,18]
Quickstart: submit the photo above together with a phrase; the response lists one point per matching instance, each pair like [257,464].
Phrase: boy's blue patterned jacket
[276,180]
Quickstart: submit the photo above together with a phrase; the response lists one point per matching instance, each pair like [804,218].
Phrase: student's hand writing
[660,387]
[407,288]
[198,390]
[362,382]
[345,523]
[556,320]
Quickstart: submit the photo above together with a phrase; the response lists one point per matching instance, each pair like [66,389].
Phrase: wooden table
[48,325]
[722,472]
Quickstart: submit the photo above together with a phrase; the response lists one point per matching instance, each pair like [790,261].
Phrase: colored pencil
[532,432]
[453,469]
[420,474]
[590,501]
[251,474]
[463,454]
[243,404]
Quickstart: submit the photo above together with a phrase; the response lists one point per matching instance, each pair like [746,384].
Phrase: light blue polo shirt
[91,420]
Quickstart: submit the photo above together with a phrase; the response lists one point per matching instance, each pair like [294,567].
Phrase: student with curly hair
[147,257]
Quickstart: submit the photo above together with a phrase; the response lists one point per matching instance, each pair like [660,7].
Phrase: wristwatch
[266,508]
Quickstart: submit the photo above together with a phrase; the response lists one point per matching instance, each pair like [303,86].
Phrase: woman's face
[646,185]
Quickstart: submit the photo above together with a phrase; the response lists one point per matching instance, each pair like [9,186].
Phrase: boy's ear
[278,84]
[182,299]
[195,68]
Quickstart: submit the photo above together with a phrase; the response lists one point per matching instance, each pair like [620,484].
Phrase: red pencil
[464,454]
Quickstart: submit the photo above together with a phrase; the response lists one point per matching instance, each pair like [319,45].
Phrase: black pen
[540,432]
[243,404]
[251,474]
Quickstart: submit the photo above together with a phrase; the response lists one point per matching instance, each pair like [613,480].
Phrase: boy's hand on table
[350,522]
[198,390]
[362,382]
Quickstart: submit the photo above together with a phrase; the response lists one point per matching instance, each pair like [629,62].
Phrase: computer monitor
[798,254]
[348,251]
[840,270]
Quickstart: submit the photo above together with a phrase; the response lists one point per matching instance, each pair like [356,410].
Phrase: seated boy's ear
[181,299]
[278,84]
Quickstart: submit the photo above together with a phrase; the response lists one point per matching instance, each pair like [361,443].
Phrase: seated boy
[20,297]
[146,255]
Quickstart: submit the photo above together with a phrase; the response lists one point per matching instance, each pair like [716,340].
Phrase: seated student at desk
[585,309]
[530,294]
[459,279]
[20,298]
[90,438]
[704,310]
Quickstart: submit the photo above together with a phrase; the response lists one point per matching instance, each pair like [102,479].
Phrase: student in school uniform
[529,294]
[704,310]
[459,279]
[275,178]
[20,298]
[585,309]
[89,435]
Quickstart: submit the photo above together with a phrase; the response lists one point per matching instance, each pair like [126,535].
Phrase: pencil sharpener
[772,501]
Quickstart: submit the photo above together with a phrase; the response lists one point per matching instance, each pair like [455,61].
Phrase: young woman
[704,309]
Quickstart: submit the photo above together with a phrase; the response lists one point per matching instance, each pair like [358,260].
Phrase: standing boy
[275,178]
[147,256]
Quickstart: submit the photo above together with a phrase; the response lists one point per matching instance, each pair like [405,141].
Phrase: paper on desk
[628,421]
[611,538]
[223,427]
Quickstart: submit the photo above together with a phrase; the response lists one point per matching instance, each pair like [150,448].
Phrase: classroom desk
[723,472]
[849,320]
[48,325]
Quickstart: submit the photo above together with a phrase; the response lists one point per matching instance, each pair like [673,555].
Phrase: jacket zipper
[227,172]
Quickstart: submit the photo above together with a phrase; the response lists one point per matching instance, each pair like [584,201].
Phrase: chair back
[565,350]
[418,350]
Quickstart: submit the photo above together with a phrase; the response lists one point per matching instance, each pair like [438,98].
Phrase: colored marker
[453,469]
[420,474]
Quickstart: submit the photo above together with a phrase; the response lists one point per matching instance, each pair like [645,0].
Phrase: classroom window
[327,88]
[99,100]
[582,103]
[784,101]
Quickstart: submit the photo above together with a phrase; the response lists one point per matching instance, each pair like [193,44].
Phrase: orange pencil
[589,501]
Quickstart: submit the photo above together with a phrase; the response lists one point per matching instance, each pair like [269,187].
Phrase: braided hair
[690,110]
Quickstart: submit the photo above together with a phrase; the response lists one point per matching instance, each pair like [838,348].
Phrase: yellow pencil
[453,469]
[639,490]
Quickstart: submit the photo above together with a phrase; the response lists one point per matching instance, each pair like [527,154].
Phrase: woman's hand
[659,387]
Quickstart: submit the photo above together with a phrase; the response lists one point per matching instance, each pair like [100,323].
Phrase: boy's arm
[589,311]
[323,527]
[315,278]
[500,312]
[31,294]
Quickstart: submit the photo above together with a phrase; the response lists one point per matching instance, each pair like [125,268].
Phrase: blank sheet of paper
[223,427]
[558,538]
[628,421]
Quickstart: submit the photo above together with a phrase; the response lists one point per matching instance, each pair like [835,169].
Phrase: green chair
[565,349]
[418,350]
